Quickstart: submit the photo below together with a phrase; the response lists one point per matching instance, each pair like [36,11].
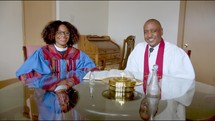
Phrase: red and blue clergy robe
[47,60]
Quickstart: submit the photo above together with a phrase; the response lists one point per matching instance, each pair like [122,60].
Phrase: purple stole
[159,62]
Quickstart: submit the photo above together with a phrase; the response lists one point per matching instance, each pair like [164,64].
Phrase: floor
[201,108]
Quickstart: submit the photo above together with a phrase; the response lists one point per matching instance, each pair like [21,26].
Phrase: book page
[99,75]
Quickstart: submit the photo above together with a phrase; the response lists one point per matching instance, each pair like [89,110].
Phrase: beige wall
[117,19]
[128,17]
[11,34]
[21,23]
[36,15]
[90,17]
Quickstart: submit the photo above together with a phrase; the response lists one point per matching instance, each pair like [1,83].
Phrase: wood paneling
[36,15]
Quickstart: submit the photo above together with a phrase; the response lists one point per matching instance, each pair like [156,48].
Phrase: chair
[128,46]
[28,111]
[29,49]
[188,52]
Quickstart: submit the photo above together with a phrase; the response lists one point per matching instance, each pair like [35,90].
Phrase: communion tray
[121,96]
[119,84]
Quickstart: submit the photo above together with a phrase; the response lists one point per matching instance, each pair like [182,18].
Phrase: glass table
[85,101]
[96,103]
[93,103]
[89,103]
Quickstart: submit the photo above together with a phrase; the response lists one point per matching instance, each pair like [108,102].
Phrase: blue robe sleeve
[85,62]
[35,62]
[49,82]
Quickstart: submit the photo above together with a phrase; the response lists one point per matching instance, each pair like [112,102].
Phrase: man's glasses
[61,32]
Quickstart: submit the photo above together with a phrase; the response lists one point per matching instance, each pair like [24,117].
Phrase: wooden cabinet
[101,49]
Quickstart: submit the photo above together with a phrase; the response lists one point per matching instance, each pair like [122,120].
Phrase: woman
[57,57]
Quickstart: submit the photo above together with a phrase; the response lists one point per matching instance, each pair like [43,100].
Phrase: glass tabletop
[82,101]
[95,103]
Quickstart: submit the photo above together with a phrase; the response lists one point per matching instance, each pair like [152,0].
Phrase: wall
[114,18]
[90,17]
[35,20]
[119,19]
[128,17]
[11,34]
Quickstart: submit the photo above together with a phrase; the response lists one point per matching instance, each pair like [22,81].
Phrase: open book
[100,75]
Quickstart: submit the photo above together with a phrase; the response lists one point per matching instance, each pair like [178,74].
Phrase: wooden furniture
[29,49]
[128,46]
[101,49]
[28,101]
[188,52]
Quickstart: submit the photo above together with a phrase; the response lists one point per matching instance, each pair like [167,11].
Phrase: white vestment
[176,64]
[178,81]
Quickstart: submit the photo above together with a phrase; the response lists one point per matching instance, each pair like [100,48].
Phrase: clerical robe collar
[60,49]
[155,48]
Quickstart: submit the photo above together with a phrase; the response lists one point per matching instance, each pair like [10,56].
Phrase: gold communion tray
[122,89]
[113,95]
[121,84]
[126,82]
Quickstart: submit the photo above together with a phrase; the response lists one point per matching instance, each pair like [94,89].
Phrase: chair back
[188,52]
[29,49]
[128,46]
[29,111]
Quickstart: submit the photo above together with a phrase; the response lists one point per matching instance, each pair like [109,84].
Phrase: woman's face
[62,36]
[63,101]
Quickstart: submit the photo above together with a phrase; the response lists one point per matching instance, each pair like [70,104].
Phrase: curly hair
[48,33]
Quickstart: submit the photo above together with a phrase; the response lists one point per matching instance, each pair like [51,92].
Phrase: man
[171,60]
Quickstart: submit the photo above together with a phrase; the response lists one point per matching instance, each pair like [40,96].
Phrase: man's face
[152,33]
